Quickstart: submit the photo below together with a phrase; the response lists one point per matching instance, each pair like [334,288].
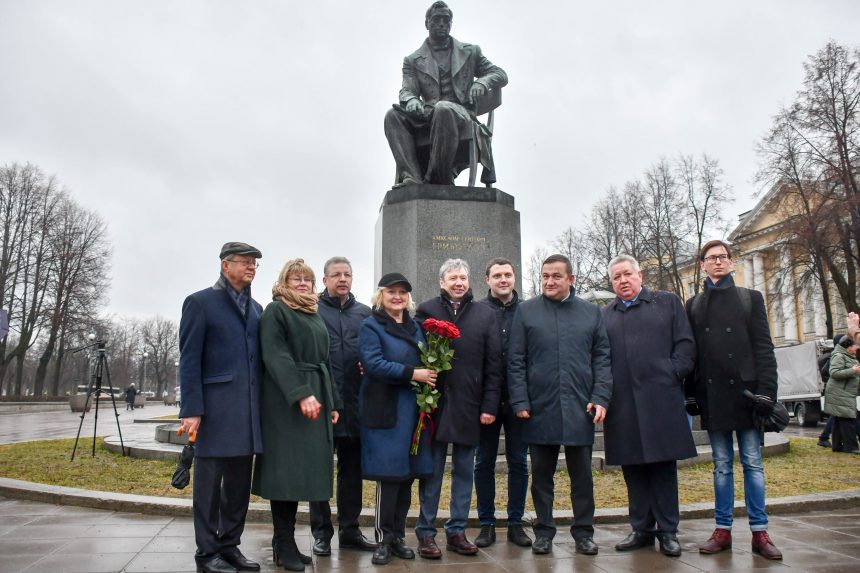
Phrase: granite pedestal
[421,226]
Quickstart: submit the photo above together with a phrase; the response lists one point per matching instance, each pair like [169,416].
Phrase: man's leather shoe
[542,545]
[356,541]
[382,555]
[322,547]
[586,546]
[428,549]
[234,557]
[720,540]
[824,443]
[669,545]
[487,536]
[635,540]
[762,545]
[400,549]
[517,535]
[214,564]
[461,545]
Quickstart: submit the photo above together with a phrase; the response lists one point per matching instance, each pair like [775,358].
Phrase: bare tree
[706,195]
[81,257]
[161,340]
[531,282]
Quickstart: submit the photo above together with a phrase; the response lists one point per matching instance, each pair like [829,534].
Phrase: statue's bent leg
[449,119]
[402,144]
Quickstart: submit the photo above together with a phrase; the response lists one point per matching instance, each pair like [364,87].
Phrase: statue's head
[438,20]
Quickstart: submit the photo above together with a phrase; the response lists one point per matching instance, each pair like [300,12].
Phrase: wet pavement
[38,537]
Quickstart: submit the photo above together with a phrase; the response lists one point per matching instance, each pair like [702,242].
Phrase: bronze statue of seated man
[441,82]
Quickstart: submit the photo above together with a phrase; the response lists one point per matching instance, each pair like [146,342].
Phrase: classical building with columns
[764,261]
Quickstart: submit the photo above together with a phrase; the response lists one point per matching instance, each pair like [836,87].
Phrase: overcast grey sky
[189,123]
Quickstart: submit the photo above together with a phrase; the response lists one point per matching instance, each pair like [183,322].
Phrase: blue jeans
[749,449]
[516,454]
[462,470]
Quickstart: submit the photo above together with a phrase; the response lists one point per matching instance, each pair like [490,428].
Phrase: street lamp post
[143,382]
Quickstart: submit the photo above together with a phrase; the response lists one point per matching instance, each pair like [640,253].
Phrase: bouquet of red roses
[435,355]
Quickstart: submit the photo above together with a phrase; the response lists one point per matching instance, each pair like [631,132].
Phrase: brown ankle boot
[762,545]
[720,540]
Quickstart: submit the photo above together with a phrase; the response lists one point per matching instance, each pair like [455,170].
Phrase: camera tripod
[94,390]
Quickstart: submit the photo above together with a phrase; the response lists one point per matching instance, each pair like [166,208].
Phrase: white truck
[800,384]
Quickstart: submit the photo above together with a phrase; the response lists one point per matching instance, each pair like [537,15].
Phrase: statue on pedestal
[443,81]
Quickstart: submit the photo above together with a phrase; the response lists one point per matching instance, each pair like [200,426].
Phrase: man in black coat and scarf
[646,430]
[560,383]
[343,316]
[470,398]
[734,353]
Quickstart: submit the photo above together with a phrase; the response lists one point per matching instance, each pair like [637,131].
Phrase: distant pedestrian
[840,396]
[130,394]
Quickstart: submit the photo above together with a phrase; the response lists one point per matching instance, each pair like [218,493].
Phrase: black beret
[236,248]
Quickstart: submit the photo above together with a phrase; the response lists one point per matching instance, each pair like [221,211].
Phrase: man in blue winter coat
[220,374]
[560,383]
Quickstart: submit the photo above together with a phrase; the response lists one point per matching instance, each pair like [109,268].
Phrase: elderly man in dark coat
[560,382]
[220,373]
[470,398]
[646,429]
[734,353]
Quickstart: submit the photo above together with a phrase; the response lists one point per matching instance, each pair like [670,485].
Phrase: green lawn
[807,468]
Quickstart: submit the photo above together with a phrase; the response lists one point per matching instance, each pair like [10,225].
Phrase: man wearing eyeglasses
[220,372]
[343,316]
[734,353]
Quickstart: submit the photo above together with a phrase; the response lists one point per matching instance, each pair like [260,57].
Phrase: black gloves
[763,405]
[692,407]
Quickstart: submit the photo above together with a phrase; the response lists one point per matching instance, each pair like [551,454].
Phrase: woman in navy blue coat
[388,346]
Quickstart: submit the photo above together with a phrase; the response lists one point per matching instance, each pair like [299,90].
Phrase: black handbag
[776,421]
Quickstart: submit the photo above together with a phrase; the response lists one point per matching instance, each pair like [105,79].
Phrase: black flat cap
[236,248]
[392,279]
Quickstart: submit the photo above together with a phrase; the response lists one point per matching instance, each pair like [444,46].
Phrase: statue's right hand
[414,106]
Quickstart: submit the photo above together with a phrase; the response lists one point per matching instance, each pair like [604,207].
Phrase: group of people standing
[271,395]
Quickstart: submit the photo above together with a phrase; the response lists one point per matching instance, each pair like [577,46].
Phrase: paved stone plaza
[36,537]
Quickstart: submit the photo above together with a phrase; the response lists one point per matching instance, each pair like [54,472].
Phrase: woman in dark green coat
[840,395]
[299,406]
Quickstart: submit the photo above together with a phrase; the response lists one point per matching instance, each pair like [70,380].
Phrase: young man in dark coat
[734,353]
[342,315]
[219,364]
[646,430]
[560,383]
[470,399]
[503,299]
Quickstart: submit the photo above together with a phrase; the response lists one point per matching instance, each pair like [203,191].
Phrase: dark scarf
[404,331]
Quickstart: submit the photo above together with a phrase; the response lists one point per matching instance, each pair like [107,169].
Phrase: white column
[788,296]
[758,275]
[818,318]
[748,272]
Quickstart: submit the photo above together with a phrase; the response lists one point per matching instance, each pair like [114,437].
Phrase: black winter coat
[343,324]
[734,352]
[472,387]
[504,319]
[558,362]
[652,352]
